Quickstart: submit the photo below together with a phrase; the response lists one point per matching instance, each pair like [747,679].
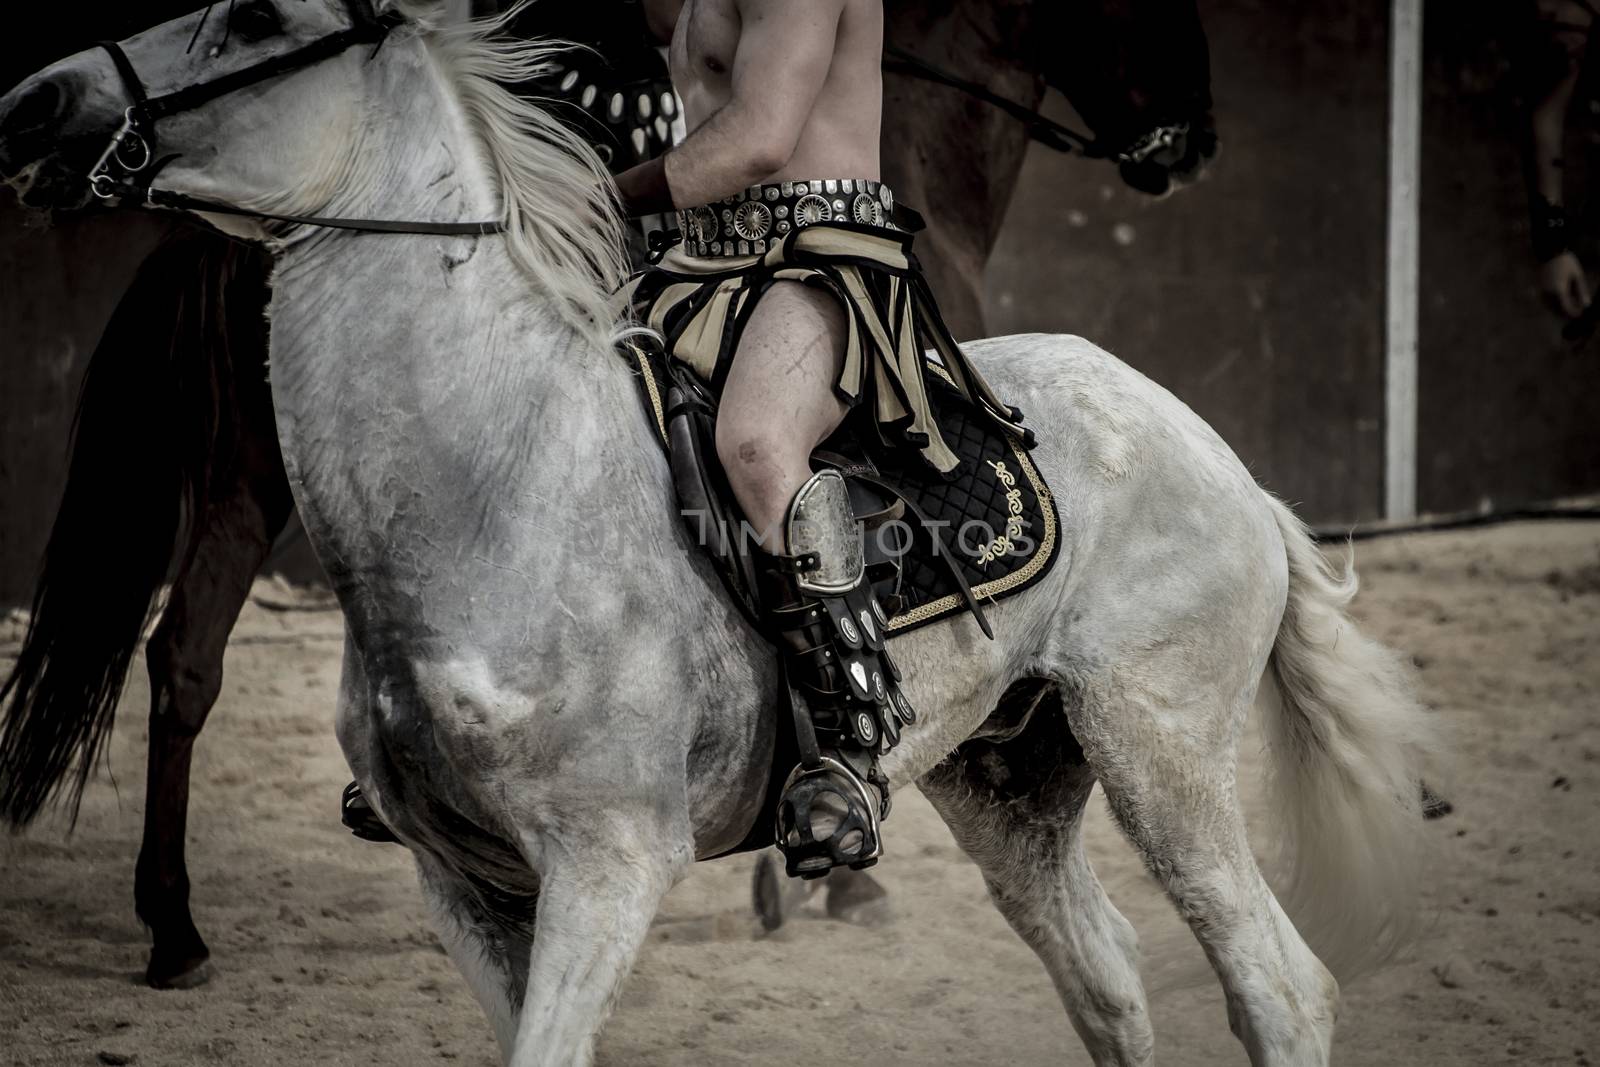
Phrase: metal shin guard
[821,530]
[824,615]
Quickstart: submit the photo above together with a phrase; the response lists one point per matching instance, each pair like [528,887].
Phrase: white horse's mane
[557,199]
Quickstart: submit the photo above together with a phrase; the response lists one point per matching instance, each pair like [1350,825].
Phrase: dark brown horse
[216,495]
[1137,72]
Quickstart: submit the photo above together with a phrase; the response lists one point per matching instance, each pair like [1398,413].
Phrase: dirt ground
[323,957]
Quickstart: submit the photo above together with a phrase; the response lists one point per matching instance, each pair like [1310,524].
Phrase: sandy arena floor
[323,957]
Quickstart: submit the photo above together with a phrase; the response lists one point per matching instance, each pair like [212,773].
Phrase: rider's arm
[661,18]
[779,66]
[1566,24]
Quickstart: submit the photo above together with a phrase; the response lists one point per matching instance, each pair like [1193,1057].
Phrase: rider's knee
[751,453]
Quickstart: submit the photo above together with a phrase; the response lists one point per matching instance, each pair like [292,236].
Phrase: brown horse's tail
[153,428]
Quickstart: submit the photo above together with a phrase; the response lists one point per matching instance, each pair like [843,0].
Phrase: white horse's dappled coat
[546,693]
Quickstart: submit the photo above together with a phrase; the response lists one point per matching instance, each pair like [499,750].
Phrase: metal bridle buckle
[1158,139]
[126,140]
[133,140]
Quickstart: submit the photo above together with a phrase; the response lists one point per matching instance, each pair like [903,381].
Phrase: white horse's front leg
[598,897]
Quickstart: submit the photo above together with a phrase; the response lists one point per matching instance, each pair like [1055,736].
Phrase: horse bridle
[1041,128]
[129,164]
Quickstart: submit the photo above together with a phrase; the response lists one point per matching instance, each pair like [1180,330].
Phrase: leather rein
[128,166]
[1046,131]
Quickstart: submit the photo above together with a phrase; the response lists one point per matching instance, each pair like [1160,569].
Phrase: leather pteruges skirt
[847,237]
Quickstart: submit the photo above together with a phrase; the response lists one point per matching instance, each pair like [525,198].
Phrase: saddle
[935,545]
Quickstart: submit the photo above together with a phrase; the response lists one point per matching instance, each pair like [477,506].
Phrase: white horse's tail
[1348,741]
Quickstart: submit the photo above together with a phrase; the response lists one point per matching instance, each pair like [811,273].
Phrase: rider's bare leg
[778,402]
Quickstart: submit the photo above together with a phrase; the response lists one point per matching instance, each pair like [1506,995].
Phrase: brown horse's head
[1139,73]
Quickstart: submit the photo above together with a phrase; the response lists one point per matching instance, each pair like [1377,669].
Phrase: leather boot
[841,684]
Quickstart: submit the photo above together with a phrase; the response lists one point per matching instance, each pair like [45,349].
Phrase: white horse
[546,693]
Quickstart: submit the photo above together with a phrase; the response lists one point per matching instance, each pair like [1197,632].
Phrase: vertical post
[1404,225]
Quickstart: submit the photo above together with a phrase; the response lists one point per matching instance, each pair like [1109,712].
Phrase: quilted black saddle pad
[995,515]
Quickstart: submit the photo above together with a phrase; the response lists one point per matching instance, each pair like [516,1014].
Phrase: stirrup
[360,818]
[854,842]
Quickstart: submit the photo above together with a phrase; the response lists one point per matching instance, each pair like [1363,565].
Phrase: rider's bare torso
[783,100]
[839,135]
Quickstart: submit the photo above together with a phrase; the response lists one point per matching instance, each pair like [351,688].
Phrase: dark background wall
[57,288]
[1509,411]
[1256,296]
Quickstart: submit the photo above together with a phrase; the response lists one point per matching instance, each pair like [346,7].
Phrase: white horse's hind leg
[1167,766]
[1017,809]
[597,896]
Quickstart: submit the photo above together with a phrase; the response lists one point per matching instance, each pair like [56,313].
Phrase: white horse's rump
[557,741]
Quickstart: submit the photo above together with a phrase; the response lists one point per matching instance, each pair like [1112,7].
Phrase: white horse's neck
[424,166]
[433,406]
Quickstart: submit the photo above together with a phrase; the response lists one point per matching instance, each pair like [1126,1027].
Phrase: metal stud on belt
[750,222]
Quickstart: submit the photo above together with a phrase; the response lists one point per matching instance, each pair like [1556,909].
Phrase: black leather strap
[130,77]
[163,198]
[805,730]
[939,549]
[1044,130]
[365,31]
[366,27]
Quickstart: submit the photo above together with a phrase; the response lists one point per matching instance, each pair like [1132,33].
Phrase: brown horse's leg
[234,535]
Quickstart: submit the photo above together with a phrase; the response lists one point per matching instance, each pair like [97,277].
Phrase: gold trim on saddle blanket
[652,387]
[700,305]
[1042,557]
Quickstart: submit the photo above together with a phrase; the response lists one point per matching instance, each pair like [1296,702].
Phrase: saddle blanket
[994,513]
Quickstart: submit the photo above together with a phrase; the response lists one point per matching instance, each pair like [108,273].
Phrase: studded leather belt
[749,223]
